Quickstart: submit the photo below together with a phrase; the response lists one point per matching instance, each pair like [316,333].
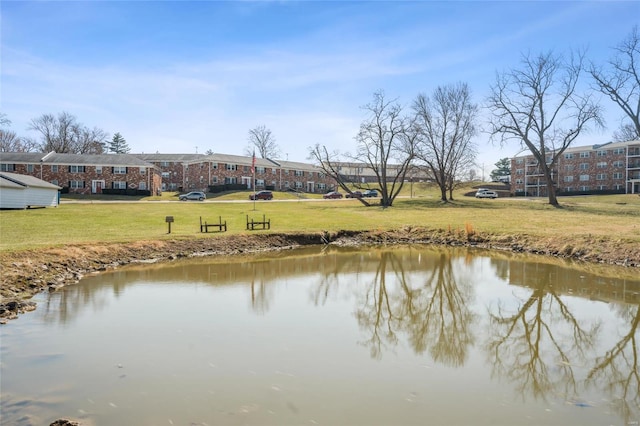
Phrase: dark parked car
[354,194]
[332,194]
[195,195]
[261,195]
[370,193]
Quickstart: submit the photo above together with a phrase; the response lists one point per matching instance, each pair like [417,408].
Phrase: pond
[331,336]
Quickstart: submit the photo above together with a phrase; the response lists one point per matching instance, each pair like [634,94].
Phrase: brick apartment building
[86,174]
[599,169]
[153,173]
[187,172]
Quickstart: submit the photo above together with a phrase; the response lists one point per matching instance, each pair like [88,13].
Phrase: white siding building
[22,191]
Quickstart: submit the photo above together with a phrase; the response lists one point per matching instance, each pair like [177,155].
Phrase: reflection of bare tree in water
[435,315]
[65,305]
[617,370]
[528,347]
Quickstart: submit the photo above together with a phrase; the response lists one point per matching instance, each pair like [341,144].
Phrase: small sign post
[169,220]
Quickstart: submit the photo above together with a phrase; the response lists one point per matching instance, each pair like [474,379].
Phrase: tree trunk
[551,189]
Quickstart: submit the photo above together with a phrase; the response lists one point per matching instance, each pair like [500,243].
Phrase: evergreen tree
[503,170]
[119,145]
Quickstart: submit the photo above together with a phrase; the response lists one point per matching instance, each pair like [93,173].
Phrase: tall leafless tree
[262,140]
[446,126]
[63,134]
[385,145]
[620,81]
[538,105]
[10,141]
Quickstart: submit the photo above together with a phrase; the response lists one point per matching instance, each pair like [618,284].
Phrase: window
[143,170]
[54,182]
[214,179]
[286,172]
[618,151]
[322,186]
[584,166]
[201,179]
[54,168]
[286,184]
[164,164]
[298,184]
[259,182]
[231,167]
[320,175]
[584,188]
[245,169]
[618,186]
[173,186]
[30,168]
[518,181]
[519,161]
[214,166]
[601,176]
[142,186]
[299,173]
[602,153]
[618,164]
[568,178]
[585,154]
[260,170]
[568,189]
[76,169]
[584,178]
[75,184]
[617,175]
[601,187]
[119,184]
[602,165]
[230,180]
[519,171]
[99,170]
[119,170]
[273,171]
[568,155]
[166,175]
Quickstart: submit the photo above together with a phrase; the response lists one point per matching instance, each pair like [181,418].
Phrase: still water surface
[373,336]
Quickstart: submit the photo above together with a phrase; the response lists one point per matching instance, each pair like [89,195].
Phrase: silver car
[195,195]
[485,193]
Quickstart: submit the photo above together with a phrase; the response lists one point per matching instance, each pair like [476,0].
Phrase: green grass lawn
[612,216]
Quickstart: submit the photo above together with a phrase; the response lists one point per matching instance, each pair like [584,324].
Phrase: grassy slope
[610,217]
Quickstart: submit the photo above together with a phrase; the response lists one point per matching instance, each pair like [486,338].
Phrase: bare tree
[4,121]
[63,134]
[626,132]
[539,106]
[385,145]
[620,81]
[261,139]
[89,141]
[10,141]
[446,125]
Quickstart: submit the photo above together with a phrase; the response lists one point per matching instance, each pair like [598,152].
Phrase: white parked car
[485,193]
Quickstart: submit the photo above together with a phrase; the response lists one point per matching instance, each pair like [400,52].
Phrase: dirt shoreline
[26,273]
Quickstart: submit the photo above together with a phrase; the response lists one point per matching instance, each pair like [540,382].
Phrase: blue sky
[176,77]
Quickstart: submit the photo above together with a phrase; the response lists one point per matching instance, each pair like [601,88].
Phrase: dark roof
[74,159]
[169,157]
[16,180]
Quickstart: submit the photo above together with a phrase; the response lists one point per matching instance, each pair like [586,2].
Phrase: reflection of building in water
[563,280]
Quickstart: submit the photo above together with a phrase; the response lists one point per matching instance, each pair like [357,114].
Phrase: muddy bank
[24,274]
